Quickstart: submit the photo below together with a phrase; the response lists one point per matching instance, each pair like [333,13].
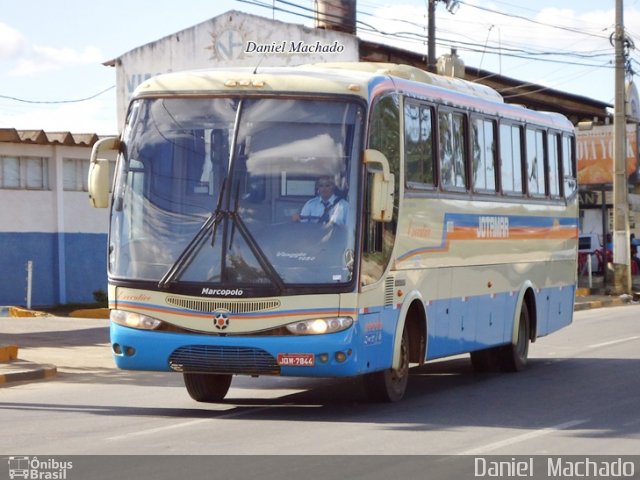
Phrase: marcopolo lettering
[222,292]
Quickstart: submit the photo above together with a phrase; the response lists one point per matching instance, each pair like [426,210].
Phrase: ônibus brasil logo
[33,468]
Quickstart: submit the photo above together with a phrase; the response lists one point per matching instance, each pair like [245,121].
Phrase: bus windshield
[230,191]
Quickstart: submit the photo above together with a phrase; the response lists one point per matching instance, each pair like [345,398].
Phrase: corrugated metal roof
[40,137]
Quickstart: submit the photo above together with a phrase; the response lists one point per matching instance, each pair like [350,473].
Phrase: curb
[8,353]
[614,302]
[24,371]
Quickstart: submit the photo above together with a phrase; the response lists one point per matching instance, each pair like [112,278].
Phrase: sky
[52,52]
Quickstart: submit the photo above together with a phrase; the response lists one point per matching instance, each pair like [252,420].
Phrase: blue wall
[85,267]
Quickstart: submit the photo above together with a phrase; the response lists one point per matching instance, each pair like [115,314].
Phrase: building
[46,219]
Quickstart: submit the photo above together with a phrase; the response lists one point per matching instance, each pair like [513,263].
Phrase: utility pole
[452,6]
[621,247]
[431,32]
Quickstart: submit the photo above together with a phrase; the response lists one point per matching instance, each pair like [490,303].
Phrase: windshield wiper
[258,253]
[189,253]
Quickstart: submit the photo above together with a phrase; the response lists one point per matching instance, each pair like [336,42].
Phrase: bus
[457,230]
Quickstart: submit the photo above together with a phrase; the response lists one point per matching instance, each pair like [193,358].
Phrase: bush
[101,298]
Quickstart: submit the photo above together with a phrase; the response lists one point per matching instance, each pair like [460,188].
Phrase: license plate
[296,359]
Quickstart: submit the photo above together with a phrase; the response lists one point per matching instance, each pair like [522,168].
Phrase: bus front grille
[223,359]
[234,306]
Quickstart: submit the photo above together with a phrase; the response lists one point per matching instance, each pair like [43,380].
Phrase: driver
[326,207]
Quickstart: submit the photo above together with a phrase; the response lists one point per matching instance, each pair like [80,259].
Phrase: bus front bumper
[329,355]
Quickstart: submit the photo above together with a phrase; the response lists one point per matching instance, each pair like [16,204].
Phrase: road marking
[613,342]
[521,438]
[158,429]
[232,412]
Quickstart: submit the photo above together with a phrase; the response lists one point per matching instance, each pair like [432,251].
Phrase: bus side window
[535,162]
[553,147]
[569,166]
[418,145]
[511,159]
[484,155]
[452,150]
[379,238]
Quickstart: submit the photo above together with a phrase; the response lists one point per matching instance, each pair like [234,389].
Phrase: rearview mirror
[98,182]
[382,187]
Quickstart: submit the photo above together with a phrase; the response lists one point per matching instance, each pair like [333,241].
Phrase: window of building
[75,174]
[28,173]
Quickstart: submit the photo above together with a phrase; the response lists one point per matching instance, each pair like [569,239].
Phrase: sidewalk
[15,369]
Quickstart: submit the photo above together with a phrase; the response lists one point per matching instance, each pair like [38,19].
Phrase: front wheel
[390,385]
[513,357]
[207,387]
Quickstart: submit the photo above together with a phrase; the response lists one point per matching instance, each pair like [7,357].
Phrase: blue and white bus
[458,231]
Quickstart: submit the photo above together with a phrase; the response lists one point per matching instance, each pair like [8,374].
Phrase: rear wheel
[207,387]
[513,357]
[390,385]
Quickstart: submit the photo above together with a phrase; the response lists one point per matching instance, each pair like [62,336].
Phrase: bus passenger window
[452,150]
[484,161]
[511,159]
[554,165]
[568,166]
[418,145]
[535,162]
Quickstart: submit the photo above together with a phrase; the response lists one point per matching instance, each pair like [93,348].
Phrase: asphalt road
[580,395]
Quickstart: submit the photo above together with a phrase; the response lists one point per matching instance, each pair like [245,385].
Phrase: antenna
[255,70]
[485,47]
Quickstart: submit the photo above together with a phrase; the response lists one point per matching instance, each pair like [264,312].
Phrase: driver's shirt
[333,210]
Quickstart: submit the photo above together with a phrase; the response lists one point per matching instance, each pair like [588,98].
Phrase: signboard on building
[595,154]
[233,39]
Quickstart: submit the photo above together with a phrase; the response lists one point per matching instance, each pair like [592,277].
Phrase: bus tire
[513,357]
[390,385]
[207,387]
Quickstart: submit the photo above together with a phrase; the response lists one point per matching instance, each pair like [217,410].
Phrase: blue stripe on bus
[466,220]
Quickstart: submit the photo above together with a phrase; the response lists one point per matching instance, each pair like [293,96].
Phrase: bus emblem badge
[221,320]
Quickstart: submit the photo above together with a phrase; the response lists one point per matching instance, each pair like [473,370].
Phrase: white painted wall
[52,210]
[232,40]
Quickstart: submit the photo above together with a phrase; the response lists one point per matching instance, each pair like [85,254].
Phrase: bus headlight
[319,326]
[134,320]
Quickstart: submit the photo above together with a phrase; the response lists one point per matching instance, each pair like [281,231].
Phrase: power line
[521,17]
[77,100]
[468,46]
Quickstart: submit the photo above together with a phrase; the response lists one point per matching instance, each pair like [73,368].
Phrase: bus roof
[354,78]
[347,77]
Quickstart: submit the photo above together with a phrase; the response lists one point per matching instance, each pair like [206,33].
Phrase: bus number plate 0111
[296,359]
